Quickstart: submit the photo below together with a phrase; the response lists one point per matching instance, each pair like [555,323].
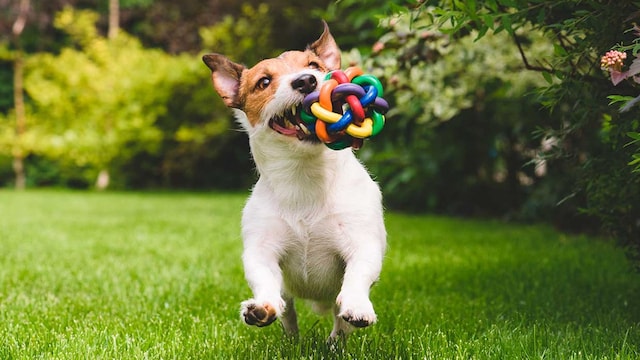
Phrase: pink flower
[377,47]
[613,60]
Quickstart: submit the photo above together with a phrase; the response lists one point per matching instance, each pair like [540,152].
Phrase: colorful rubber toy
[347,109]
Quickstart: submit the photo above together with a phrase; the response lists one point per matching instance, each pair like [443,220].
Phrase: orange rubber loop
[325,93]
[353,72]
[321,132]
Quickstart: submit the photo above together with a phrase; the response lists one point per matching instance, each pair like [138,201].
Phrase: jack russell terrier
[313,226]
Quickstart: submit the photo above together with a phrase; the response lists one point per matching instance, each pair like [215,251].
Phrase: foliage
[459,130]
[103,102]
[500,107]
[91,101]
[358,26]
[577,140]
[613,61]
[140,275]
[239,38]
[6,86]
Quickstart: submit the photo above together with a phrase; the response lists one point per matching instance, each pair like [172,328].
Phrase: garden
[509,164]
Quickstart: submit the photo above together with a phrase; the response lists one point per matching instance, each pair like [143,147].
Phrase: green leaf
[508,3]
[634,135]
[636,160]
[558,50]
[508,25]
[618,98]
[481,32]
[492,5]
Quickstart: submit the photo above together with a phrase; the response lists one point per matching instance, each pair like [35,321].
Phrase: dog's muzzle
[289,122]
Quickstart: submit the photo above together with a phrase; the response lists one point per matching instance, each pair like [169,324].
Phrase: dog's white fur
[313,226]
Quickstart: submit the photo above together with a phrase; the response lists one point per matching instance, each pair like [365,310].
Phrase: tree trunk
[114,18]
[18,95]
[18,100]
[104,178]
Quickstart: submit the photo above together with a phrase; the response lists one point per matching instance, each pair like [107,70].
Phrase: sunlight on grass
[143,275]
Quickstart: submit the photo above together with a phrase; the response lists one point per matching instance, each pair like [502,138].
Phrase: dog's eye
[263,83]
[314,65]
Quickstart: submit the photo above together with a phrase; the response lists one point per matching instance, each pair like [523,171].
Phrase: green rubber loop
[378,122]
[338,145]
[307,118]
[368,79]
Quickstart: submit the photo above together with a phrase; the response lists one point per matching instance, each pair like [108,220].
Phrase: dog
[313,225]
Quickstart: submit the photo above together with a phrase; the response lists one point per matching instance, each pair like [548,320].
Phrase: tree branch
[21,20]
[524,58]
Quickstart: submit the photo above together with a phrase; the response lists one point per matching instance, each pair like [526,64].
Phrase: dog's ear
[225,75]
[327,49]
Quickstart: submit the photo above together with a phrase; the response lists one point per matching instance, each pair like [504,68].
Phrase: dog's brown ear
[225,75]
[327,49]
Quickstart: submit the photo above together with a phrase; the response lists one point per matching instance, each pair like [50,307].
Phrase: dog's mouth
[290,124]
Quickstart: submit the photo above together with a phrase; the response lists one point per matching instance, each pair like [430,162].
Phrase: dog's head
[269,94]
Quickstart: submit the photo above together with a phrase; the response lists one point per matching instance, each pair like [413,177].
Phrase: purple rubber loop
[343,90]
[309,100]
[381,104]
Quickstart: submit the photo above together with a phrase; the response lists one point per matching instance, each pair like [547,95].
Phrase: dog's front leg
[363,265]
[264,276]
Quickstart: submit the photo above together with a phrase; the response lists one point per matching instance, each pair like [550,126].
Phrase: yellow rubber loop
[323,114]
[361,131]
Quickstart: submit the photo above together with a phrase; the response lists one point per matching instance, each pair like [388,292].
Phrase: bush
[458,138]
[563,151]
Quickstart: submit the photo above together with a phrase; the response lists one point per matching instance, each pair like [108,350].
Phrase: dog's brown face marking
[270,91]
[259,84]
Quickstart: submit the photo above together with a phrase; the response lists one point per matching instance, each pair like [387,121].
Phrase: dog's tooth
[304,129]
[293,110]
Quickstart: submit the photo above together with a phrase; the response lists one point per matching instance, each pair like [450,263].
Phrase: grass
[158,276]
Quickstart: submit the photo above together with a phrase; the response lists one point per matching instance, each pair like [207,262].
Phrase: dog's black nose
[305,83]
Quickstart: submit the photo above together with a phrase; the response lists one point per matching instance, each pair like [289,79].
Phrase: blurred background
[499,108]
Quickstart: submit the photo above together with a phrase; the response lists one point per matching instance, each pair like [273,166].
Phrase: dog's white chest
[311,263]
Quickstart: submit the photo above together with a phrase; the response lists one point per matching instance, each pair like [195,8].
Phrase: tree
[588,184]
[459,130]
[101,101]
[102,182]
[18,95]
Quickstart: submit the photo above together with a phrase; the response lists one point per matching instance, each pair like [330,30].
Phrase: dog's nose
[305,83]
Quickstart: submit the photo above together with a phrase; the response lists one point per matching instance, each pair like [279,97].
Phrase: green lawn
[158,276]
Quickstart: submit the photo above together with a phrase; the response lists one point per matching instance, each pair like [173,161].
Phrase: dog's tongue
[283,130]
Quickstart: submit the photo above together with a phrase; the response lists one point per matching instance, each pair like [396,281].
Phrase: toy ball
[347,109]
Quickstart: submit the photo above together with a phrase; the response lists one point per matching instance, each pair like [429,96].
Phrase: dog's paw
[257,314]
[357,313]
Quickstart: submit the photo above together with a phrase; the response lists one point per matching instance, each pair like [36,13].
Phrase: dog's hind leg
[341,327]
[289,318]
